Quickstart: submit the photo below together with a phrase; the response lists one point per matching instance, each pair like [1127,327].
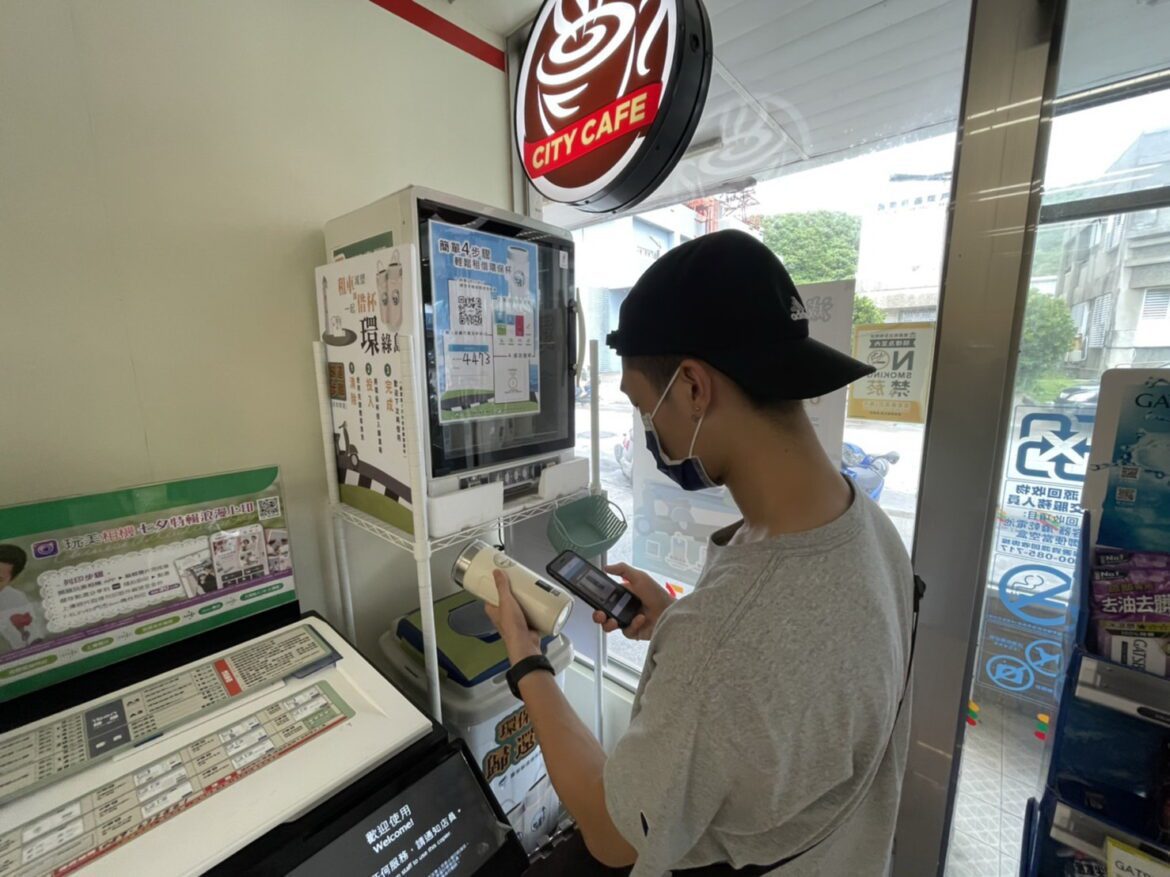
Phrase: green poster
[90,580]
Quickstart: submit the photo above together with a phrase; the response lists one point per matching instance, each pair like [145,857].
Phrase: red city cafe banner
[635,110]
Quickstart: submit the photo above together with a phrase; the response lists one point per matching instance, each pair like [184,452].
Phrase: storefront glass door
[1094,289]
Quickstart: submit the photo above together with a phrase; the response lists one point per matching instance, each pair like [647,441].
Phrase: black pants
[571,858]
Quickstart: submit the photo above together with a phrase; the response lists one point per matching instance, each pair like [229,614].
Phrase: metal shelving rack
[385,532]
[419,543]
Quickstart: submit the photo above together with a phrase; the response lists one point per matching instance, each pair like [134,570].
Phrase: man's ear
[699,379]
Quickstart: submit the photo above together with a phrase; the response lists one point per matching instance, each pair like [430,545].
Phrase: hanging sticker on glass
[1137,501]
[486,300]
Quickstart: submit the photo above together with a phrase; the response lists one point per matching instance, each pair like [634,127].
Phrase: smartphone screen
[594,587]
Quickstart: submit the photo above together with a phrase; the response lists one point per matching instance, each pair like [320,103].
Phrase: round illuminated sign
[608,97]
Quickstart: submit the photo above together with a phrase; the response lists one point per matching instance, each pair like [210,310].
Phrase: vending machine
[167,709]
[484,302]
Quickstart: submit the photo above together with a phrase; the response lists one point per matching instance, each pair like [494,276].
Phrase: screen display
[589,579]
[442,826]
[499,335]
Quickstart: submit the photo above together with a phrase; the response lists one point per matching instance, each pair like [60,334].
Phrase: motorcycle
[868,471]
[625,457]
[583,393]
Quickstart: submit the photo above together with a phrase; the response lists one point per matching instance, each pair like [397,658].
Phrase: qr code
[470,310]
[268,507]
[1127,495]
[1131,473]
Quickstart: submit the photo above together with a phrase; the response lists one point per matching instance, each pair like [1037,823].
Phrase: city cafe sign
[608,97]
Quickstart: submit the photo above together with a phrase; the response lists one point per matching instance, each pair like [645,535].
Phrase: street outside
[899,496]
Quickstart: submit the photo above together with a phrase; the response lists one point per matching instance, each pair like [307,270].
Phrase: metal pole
[594,420]
[341,555]
[1010,76]
[595,489]
[418,503]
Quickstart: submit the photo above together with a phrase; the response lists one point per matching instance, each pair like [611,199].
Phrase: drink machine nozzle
[546,606]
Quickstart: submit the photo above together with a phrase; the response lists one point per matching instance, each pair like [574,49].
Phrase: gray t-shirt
[763,718]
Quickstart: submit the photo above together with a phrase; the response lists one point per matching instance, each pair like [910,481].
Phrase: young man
[770,725]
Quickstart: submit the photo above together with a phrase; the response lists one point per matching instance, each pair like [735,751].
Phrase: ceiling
[809,81]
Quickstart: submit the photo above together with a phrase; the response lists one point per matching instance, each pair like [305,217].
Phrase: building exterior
[899,264]
[612,255]
[1115,270]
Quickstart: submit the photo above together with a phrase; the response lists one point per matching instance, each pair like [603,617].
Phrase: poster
[1035,541]
[672,526]
[903,354]
[91,580]
[486,299]
[366,312]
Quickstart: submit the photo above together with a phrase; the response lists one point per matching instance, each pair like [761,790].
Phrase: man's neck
[784,482]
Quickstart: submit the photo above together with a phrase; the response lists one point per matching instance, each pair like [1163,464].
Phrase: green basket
[590,526]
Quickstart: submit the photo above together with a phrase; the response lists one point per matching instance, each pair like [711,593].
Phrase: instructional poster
[90,580]
[486,305]
[365,306]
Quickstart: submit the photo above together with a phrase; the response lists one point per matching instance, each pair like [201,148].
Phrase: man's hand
[520,640]
[654,597]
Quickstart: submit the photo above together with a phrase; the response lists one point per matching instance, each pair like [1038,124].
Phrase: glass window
[853,120]
[833,224]
[1153,329]
[1107,44]
[1099,320]
[1110,149]
[1099,299]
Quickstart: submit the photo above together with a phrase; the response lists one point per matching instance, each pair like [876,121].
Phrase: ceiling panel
[850,45]
[783,22]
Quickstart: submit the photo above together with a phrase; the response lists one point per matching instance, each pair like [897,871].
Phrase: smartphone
[595,587]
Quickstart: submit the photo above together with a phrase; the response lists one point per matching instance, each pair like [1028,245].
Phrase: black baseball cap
[726,299]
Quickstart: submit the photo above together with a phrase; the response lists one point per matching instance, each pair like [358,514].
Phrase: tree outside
[816,246]
[1048,249]
[866,312]
[1046,339]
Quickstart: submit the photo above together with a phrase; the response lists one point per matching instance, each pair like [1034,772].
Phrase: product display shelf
[1062,840]
[1103,756]
[419,543]
[1031,833]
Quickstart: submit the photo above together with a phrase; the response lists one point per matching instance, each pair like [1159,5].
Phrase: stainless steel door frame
[1012,57]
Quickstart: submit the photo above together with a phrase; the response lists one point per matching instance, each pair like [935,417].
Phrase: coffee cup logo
[609,95]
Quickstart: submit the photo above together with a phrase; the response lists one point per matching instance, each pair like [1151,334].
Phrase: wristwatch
[518,671]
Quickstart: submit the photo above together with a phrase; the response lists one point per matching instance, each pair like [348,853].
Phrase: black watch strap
[518,671]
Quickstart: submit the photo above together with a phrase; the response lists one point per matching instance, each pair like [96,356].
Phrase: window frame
[1147,324]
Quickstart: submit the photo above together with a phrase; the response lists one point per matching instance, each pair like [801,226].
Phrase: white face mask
[688,473]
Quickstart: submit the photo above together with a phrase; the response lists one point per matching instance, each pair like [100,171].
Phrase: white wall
[165,171]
